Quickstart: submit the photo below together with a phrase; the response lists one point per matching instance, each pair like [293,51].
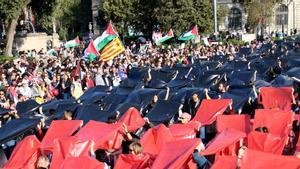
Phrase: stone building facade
[286,16]
[95,12]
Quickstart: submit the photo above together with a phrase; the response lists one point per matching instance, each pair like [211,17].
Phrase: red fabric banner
[257,160]
[82,162]
[276,98]
[131,161]
[25,154]
[106,136]
[298,144]
[68,147]
[210,109]
[223,140]
[59,129]
[155,138]
[176,154]
[184,131]
[133,119]
[237,122]
[266,142]
[225,162]
[278,122]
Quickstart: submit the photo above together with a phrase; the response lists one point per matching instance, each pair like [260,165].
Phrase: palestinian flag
[190,34]
[52,52]
[166,37]
[108,35]
[143,48]
[113,49]
[73,43]
[91,52]
[156,36]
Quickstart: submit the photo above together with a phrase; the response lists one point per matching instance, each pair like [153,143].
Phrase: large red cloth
[68,147]
[223,140]
[266,142]
[131,161]
[155,138]
[298,144]
[210,109]
[176,154]
[106,136]
[278,122]
[237,122]
[133,119]
[225,162]
[82,162]
[59,129]
[184,131]
[276,98]
[25,154]
[260,160]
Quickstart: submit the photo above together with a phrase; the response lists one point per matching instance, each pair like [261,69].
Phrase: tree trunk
[11,31]
[10,36]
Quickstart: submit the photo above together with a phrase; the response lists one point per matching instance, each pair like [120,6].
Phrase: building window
[282,15]
[235,19]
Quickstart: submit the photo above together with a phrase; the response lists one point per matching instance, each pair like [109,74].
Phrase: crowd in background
[42,77]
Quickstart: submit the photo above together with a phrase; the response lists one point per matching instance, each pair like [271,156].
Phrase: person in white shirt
[25,90]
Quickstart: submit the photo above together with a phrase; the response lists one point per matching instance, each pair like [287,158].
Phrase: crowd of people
[42,77]
[67,75]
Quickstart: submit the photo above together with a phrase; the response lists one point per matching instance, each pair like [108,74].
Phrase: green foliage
[234,42]
[149,15]
[260,8]
[222,12]
[11,9]
[70,17]
[279,39]
[182,14]
[120,12]
[4,58]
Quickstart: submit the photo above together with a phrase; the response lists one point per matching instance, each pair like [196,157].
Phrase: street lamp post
[90,28]
[3,29]
[282,26]
[215,17]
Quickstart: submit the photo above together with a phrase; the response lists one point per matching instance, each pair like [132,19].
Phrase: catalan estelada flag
[111,50]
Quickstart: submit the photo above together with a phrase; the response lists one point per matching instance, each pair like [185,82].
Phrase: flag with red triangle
[91,53]
[192,34]
[108,35]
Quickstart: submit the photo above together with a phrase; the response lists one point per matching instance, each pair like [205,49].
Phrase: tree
[146,16]
[259,8]
[121,12]
[70,17]
[11,10]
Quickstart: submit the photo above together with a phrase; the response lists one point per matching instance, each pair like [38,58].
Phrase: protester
[76,89]
[67,76]
[201,161]
[43,162]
